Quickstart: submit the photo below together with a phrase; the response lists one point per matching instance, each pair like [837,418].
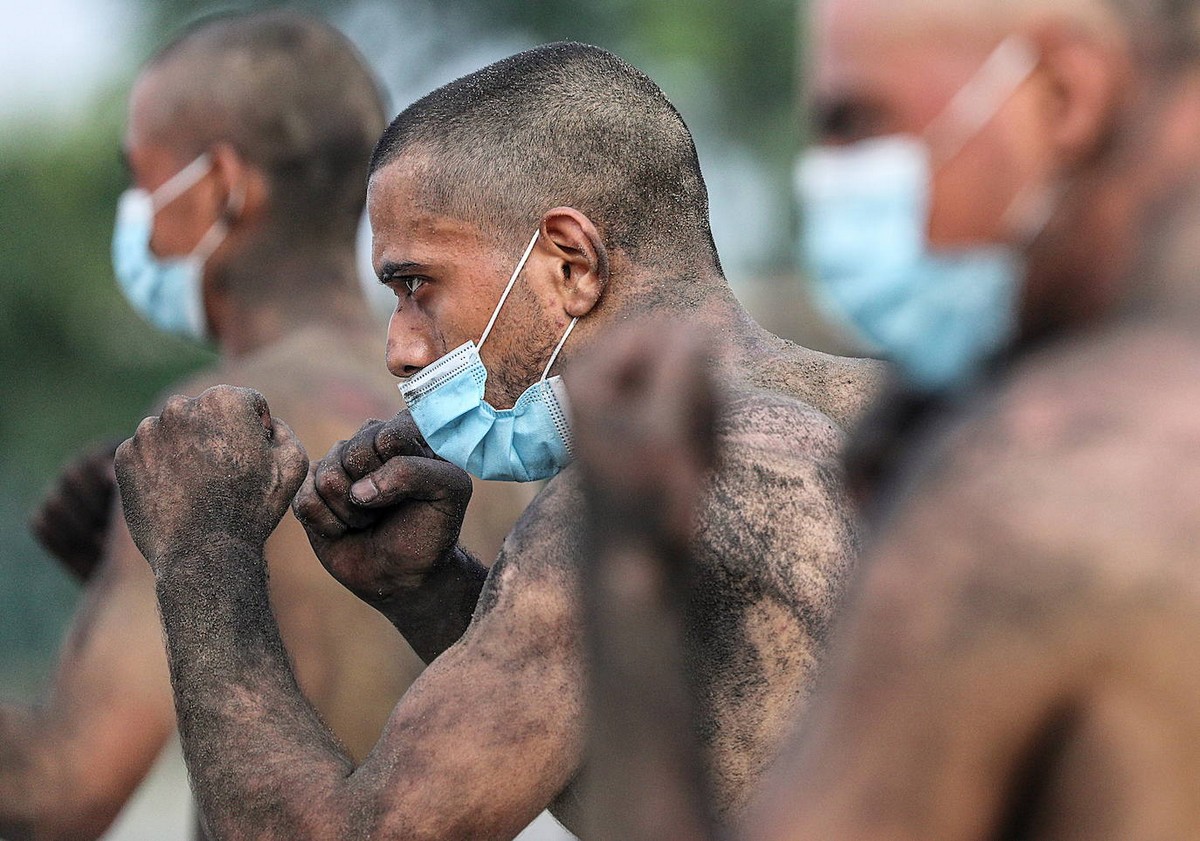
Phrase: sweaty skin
[493,731]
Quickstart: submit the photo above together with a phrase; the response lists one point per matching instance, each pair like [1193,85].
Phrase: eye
[413,283]
[847,121]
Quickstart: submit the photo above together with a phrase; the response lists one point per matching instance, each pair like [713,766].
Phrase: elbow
[290,816]
[62,811]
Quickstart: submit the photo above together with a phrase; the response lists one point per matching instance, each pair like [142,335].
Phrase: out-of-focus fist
[381,509]
[642,417]
[72,521]
[216,467]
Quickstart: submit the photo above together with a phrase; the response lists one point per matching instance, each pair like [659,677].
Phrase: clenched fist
[382,510]
[72,521]
[212,468]
[643,417]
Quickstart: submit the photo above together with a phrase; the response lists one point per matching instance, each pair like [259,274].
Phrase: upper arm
[492,731]
[108,711]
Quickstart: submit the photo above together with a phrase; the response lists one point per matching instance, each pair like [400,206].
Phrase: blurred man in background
[247,143]
[1023,180]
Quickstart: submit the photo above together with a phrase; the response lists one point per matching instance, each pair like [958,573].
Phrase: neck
[263,301]
[749,356]
[702,298]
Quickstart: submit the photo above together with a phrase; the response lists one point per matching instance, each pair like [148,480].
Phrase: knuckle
[175,405]
[330,481]
[368,424]
[144,429]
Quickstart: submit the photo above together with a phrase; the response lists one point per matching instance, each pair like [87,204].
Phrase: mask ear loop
[1005,70]
[559,347]
[180,182]
[219,229]
[511,282]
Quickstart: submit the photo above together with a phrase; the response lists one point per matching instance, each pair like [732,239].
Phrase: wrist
[448,586]
[214,554]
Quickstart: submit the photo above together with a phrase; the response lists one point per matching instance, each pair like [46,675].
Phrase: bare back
[1019,659]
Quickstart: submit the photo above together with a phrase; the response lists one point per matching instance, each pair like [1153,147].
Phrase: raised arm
[644,435]
[478,746]
[383,513]
[69,762]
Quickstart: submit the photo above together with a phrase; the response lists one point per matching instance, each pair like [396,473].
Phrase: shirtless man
[285,113]
[571,143]
[1018,657]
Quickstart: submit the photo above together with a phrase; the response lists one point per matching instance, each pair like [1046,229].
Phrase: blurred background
[79,365]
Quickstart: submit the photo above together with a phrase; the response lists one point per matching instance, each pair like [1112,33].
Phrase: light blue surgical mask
[166,291]
[939,315]
[530,441]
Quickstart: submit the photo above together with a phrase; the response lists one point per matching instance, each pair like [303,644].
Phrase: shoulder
[777,509]
[322,387]
[1077,474]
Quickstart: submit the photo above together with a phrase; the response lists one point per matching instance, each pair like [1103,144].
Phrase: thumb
[411,477]
[290,456]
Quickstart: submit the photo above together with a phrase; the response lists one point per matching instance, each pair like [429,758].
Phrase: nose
[411,344]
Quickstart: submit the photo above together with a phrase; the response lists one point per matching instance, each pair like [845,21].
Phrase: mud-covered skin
[1018,659]
[774,547]
[109,703]
[493,730]
[719,541]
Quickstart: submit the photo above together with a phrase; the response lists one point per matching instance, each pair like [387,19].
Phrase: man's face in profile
[448,277]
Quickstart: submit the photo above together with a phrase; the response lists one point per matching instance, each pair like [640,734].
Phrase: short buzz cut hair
[561,124]
[292,95]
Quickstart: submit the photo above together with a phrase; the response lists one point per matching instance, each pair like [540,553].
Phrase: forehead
[406,227]
[905,54]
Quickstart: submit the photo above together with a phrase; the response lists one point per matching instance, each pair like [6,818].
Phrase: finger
[413,478]
[258,405]
[290,456]
[358,456]
[312,512]
[332,484]
[401,437]
[176,405]
[125,456]
[594,384]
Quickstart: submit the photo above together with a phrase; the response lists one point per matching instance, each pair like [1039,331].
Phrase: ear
[580,258]
[244,187]
[1086,78]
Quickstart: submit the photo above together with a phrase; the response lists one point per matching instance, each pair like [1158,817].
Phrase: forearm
[434,613]
[263,764]
[643,737]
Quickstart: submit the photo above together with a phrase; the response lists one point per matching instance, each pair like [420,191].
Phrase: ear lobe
[1087,78]
[578,250]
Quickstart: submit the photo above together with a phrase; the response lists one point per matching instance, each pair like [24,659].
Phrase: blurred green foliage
[78,365]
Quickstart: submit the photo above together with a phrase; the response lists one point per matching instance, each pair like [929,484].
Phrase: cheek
[996,171]
[969,197]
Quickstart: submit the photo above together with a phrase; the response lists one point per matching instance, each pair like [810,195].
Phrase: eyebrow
[390,270]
